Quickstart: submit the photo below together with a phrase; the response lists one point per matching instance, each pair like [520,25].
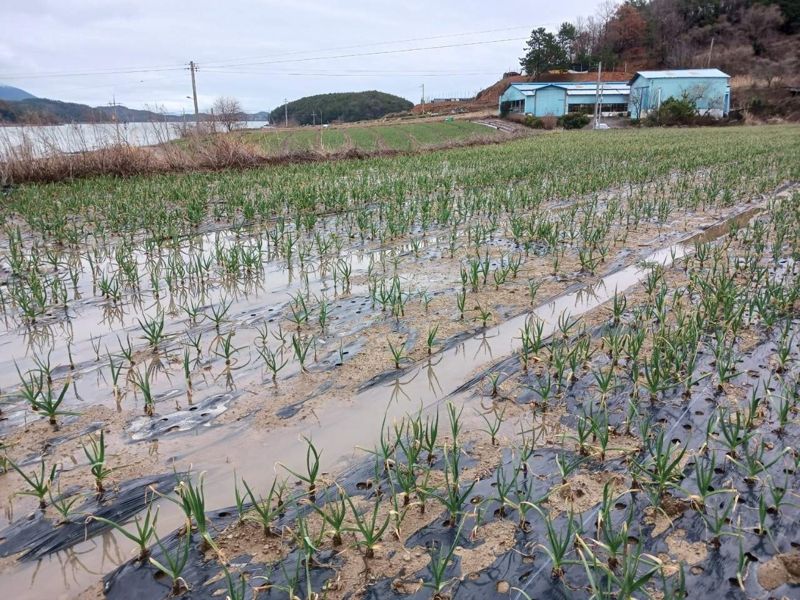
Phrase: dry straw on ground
[194,153]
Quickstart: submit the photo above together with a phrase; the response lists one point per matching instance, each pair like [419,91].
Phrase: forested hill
[742,37]
[343,107]
[43,111]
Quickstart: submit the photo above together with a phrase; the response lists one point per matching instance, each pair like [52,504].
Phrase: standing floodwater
[43,140]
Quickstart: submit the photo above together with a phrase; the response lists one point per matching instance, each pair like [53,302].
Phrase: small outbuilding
[709,89]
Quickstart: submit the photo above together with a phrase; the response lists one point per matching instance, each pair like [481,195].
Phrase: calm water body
[50,139]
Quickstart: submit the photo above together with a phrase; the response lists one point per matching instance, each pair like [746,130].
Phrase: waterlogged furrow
[214,321]
[653,464]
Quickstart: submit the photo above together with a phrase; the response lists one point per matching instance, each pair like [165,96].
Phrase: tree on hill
[543,53]
[627,30]
[567,38]
[750,37]
[341,107]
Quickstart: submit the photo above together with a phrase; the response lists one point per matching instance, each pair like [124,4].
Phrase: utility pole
[285,112]
[597,97]
[423,98]
[116,115]
[193,68]
[710,50]
[321,131]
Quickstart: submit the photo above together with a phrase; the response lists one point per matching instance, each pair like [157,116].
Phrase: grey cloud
[39,37]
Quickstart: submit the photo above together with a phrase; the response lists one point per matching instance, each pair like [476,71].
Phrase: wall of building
[512,94]
[710,94]
[549,101]
[553,99]
[639,101]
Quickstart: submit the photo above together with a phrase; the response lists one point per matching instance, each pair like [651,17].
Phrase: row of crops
[570,363]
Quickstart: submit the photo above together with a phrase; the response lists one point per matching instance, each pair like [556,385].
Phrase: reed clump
[213,152]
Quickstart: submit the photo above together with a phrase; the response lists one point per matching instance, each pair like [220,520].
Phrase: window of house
[588,109]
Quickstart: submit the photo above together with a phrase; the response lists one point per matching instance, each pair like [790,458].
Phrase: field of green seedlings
[368,138]
[564,366]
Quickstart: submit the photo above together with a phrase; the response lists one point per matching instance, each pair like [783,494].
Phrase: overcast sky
[262,51]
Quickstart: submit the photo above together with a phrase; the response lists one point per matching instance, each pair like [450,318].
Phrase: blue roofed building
[709,89]
[555,94]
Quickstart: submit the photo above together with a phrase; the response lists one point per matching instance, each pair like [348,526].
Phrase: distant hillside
[757,42]
[11,93]
[45,111]
[341,107]
[42,111]
[261,115]
[753,38]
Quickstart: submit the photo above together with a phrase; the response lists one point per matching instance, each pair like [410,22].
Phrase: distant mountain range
[20,108]
[11,93]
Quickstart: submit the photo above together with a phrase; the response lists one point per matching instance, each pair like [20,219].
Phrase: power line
[374,53]
[346,71]
[352,74]
[93,73]
[232,63]
[368,45]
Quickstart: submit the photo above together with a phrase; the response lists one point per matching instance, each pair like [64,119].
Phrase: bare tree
[607,11]
[733,59]
[637,102]
[228,113]
[667,25]
[760,23]
[772,70]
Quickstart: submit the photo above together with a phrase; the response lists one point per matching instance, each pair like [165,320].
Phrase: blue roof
[677,73]
[570,86]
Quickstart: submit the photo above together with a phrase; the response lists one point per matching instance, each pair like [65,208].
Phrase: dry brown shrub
[118,160]
[223,152]
[550,122]
[194,153]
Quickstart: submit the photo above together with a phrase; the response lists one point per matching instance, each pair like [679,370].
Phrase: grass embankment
[244,150]
[367,138]
[563,164]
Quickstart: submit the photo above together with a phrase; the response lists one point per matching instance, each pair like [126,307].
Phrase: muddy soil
[230,415]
